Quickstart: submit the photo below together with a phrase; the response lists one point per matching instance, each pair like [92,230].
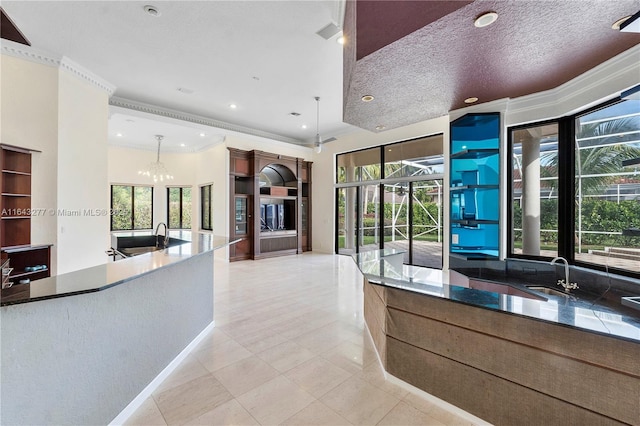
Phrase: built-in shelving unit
[27,262]
[16,197]
[475,186]
[270,204]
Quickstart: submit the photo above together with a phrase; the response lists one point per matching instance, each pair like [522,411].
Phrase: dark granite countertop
[578,310]
[110,274]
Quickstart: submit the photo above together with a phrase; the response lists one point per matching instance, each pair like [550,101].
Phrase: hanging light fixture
[156,170]
[318,142]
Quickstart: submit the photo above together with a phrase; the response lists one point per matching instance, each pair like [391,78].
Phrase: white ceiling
[263,56]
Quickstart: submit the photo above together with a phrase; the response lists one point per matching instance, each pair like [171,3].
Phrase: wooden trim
[18,148]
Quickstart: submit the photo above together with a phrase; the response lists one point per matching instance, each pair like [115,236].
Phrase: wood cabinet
[32,262]
[270,199]
[16,197]
[241,205]
[29,262]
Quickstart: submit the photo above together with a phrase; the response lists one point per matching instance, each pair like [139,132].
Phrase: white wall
[83,112]
[123,165]
[29,119]
[48,108]
[212,168]
[194,169]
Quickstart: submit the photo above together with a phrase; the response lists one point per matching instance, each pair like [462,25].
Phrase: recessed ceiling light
[340,40]
[183,145]
[295,114]
[367,98]
[152,10]
[485,19]
[233,106]
[304,126]
[380,127]
[471,100]
[119,135]
[616,25]
[202,135]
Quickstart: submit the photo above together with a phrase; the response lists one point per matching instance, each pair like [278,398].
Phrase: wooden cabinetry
[28,261]
[241,205]
[32,262]
[270,198]
[16,197]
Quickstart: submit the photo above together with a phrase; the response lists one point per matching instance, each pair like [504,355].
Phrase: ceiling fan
[317,144]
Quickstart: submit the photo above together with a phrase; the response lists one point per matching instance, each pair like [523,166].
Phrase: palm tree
[596,165]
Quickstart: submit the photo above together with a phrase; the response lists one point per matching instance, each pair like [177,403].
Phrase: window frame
[566,190]
[209,214]
[562,190]
[133,205]
[359,184]
[181,208]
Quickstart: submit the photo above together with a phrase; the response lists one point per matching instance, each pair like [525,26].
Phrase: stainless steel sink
[134,251]
[549,291]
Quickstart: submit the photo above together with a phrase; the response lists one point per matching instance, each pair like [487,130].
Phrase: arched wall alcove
[270,204]
[277,175]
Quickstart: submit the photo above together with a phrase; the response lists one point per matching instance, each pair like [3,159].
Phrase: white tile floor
[289,347]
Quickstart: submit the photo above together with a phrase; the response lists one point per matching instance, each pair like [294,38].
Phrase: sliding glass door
[426,223]
[391,197]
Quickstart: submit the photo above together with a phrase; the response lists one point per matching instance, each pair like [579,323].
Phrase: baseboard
[151,387]
[419,392]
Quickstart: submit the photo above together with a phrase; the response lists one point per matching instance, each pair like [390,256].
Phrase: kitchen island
[506,358]
[78,348]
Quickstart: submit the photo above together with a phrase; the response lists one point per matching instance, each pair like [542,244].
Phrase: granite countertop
[110,274]
[577,311]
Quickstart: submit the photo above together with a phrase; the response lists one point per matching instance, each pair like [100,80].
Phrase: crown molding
[198,119]
[82,73]
[167,149]
[32,54]
[498,105]
[601,83]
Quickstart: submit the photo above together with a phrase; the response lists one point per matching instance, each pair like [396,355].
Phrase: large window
[132,207]
[391,197]
[359,166]
[534,175]
[575,188]
[607,186]
[206,207]
[179,207]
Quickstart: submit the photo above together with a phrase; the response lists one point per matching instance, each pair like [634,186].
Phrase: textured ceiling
[382,22]
[532,47]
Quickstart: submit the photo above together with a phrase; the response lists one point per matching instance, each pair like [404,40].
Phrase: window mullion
[566,187]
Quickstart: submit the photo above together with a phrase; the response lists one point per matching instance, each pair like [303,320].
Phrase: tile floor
[289,347]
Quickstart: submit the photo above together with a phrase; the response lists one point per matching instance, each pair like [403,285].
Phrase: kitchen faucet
[166,234]
[568,285]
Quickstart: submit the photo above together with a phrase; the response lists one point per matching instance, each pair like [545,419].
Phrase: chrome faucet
[568,285]
[166,235]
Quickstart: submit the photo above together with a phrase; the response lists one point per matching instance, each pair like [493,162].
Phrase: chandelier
[156,170]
